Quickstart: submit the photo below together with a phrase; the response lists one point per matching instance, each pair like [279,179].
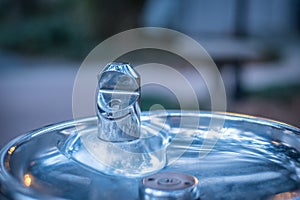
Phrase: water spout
[118,103]
[120,144]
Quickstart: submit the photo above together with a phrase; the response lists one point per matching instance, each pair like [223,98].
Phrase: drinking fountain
[123,153]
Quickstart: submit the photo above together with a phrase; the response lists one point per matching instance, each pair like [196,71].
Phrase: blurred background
[254,43]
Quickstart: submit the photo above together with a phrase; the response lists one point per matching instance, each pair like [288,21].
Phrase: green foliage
[276,92]
[51,28]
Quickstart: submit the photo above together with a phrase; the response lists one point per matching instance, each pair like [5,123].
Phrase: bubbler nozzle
[118,100]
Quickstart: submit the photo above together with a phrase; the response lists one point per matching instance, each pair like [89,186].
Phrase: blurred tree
[63,27]
[112,16]
[297,7]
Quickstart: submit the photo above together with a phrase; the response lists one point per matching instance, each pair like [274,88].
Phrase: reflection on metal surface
[275,142]
[253,159]
[27,180]
[238,115]
[259,119]
[118,103]
[11,150]
[286,196]
[169,185]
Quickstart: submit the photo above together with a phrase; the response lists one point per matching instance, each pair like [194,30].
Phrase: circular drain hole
[169,185]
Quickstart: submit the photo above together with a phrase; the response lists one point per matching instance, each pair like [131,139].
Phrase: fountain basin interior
[246,158]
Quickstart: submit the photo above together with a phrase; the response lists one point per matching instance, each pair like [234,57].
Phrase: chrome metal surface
[119,147]
[253,159]
[118,103]
[169,185]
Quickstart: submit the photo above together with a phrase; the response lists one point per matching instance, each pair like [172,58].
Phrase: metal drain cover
[169,185]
